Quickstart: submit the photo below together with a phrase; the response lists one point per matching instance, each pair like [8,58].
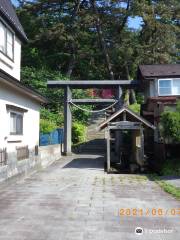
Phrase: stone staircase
[95,142]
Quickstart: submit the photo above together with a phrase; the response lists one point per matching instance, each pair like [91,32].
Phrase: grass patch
[167,187]
[141,179]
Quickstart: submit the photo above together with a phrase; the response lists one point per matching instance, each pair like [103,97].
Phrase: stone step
[95,139]
[92,151]
[93,147]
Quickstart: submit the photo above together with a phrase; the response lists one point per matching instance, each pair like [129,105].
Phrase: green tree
[84,39]
[170,121]
[37,79]
[160,30]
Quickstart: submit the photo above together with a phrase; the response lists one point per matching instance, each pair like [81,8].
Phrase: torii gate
[87,84]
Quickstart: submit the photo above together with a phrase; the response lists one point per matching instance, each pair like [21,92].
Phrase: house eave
[156,71]
[160,76]
[116,114]
[15,84]
[22,36]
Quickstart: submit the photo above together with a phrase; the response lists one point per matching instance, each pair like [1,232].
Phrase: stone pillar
[108,150]
[67,121]
[118,133]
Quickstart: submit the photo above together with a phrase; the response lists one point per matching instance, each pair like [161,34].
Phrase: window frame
[22,127]
[170,79]
[6,44]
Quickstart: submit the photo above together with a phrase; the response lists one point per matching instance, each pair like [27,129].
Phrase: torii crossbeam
[87,84]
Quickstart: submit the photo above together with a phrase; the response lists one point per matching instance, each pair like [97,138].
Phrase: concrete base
[67,153]
[46,156]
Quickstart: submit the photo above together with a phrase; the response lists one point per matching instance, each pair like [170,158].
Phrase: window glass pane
[176,87]
[9,37]
[165,91]
[12,123]
[16,123]
[9,50]
[165,83]
[165,87]
[9,44]
[19,124]
[2,37]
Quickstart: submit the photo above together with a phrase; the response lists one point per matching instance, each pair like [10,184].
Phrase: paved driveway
[75,199]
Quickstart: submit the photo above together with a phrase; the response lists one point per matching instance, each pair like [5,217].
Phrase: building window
[2,38]
[6,41]
[176,87]
[169,87]
[16,123]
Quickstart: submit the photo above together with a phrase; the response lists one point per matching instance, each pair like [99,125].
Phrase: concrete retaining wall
[46,156]
[49,154]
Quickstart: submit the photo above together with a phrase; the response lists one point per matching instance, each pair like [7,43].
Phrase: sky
[132,22]
[14,2]
[135,22]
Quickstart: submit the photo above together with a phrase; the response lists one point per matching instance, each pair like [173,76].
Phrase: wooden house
[161,88]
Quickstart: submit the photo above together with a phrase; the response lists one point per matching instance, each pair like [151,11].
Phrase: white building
[19,105]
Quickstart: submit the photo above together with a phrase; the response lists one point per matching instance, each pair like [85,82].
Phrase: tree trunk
[130,96]
[127,93]
[133,97]
[131,93]
[101,40]
[72,60]
[125,18]
[126,98]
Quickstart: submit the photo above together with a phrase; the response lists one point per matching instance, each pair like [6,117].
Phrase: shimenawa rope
[93,111]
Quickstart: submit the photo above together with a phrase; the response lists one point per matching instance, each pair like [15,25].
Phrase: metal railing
[22,152]
[3,157]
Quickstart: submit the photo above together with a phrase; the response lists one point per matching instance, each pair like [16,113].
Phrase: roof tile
[7,11]
[159,70]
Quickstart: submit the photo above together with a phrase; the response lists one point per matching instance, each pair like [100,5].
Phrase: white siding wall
[9,66]
[30,135]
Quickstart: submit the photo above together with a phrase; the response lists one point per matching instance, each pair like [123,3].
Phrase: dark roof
[14,83]
[131,113]
[8,13]
[158,70]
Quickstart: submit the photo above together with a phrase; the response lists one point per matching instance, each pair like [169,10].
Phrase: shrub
[171,167]
[170,124]
[77,114]
[47,126]
[135,107]
[78,132]
[56,118]
[140,98]
[81,116]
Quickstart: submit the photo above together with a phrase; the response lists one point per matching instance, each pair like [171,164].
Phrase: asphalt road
[73,199]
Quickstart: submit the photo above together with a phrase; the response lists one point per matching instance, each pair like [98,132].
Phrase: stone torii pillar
[67,121]
[119,105]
